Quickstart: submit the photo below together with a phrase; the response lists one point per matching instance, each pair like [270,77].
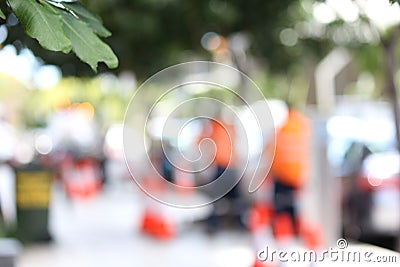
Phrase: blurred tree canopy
[149,35]
[366,31]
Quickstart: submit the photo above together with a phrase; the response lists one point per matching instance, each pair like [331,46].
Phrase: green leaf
[86,44]
[42,22]
[2,16]
[92,20]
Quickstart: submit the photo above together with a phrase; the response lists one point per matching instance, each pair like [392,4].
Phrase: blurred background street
[105,231]
[288,109]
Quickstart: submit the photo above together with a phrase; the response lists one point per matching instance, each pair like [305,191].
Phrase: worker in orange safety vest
[291,163]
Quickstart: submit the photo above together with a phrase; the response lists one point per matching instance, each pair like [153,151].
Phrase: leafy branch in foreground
[2,16]
[65,26]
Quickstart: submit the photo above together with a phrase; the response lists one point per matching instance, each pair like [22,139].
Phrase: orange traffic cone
[154,222]
[283,228]
[259,217]
[148,221]
[312,236]
[258,263]
[284,234]
[259,225]
[82,181]
[156,225]
[313,239]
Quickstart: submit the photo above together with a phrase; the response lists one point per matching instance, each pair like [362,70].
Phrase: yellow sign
[33,189]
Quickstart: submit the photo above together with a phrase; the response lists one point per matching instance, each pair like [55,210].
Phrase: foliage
[65,27]
[149,35]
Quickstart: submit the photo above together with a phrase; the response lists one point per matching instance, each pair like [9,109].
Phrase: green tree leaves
[94,22]
[2,16]
[65,27]
[85,43]
[41,21]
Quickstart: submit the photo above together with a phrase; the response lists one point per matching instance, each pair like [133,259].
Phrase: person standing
[291,165]
[223,135]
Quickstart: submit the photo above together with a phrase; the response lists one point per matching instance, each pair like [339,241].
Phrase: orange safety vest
[291,160]
[223,137]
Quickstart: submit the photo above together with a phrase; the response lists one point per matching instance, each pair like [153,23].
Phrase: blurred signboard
[33,196]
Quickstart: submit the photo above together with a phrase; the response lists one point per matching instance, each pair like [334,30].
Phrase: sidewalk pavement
[104,232]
